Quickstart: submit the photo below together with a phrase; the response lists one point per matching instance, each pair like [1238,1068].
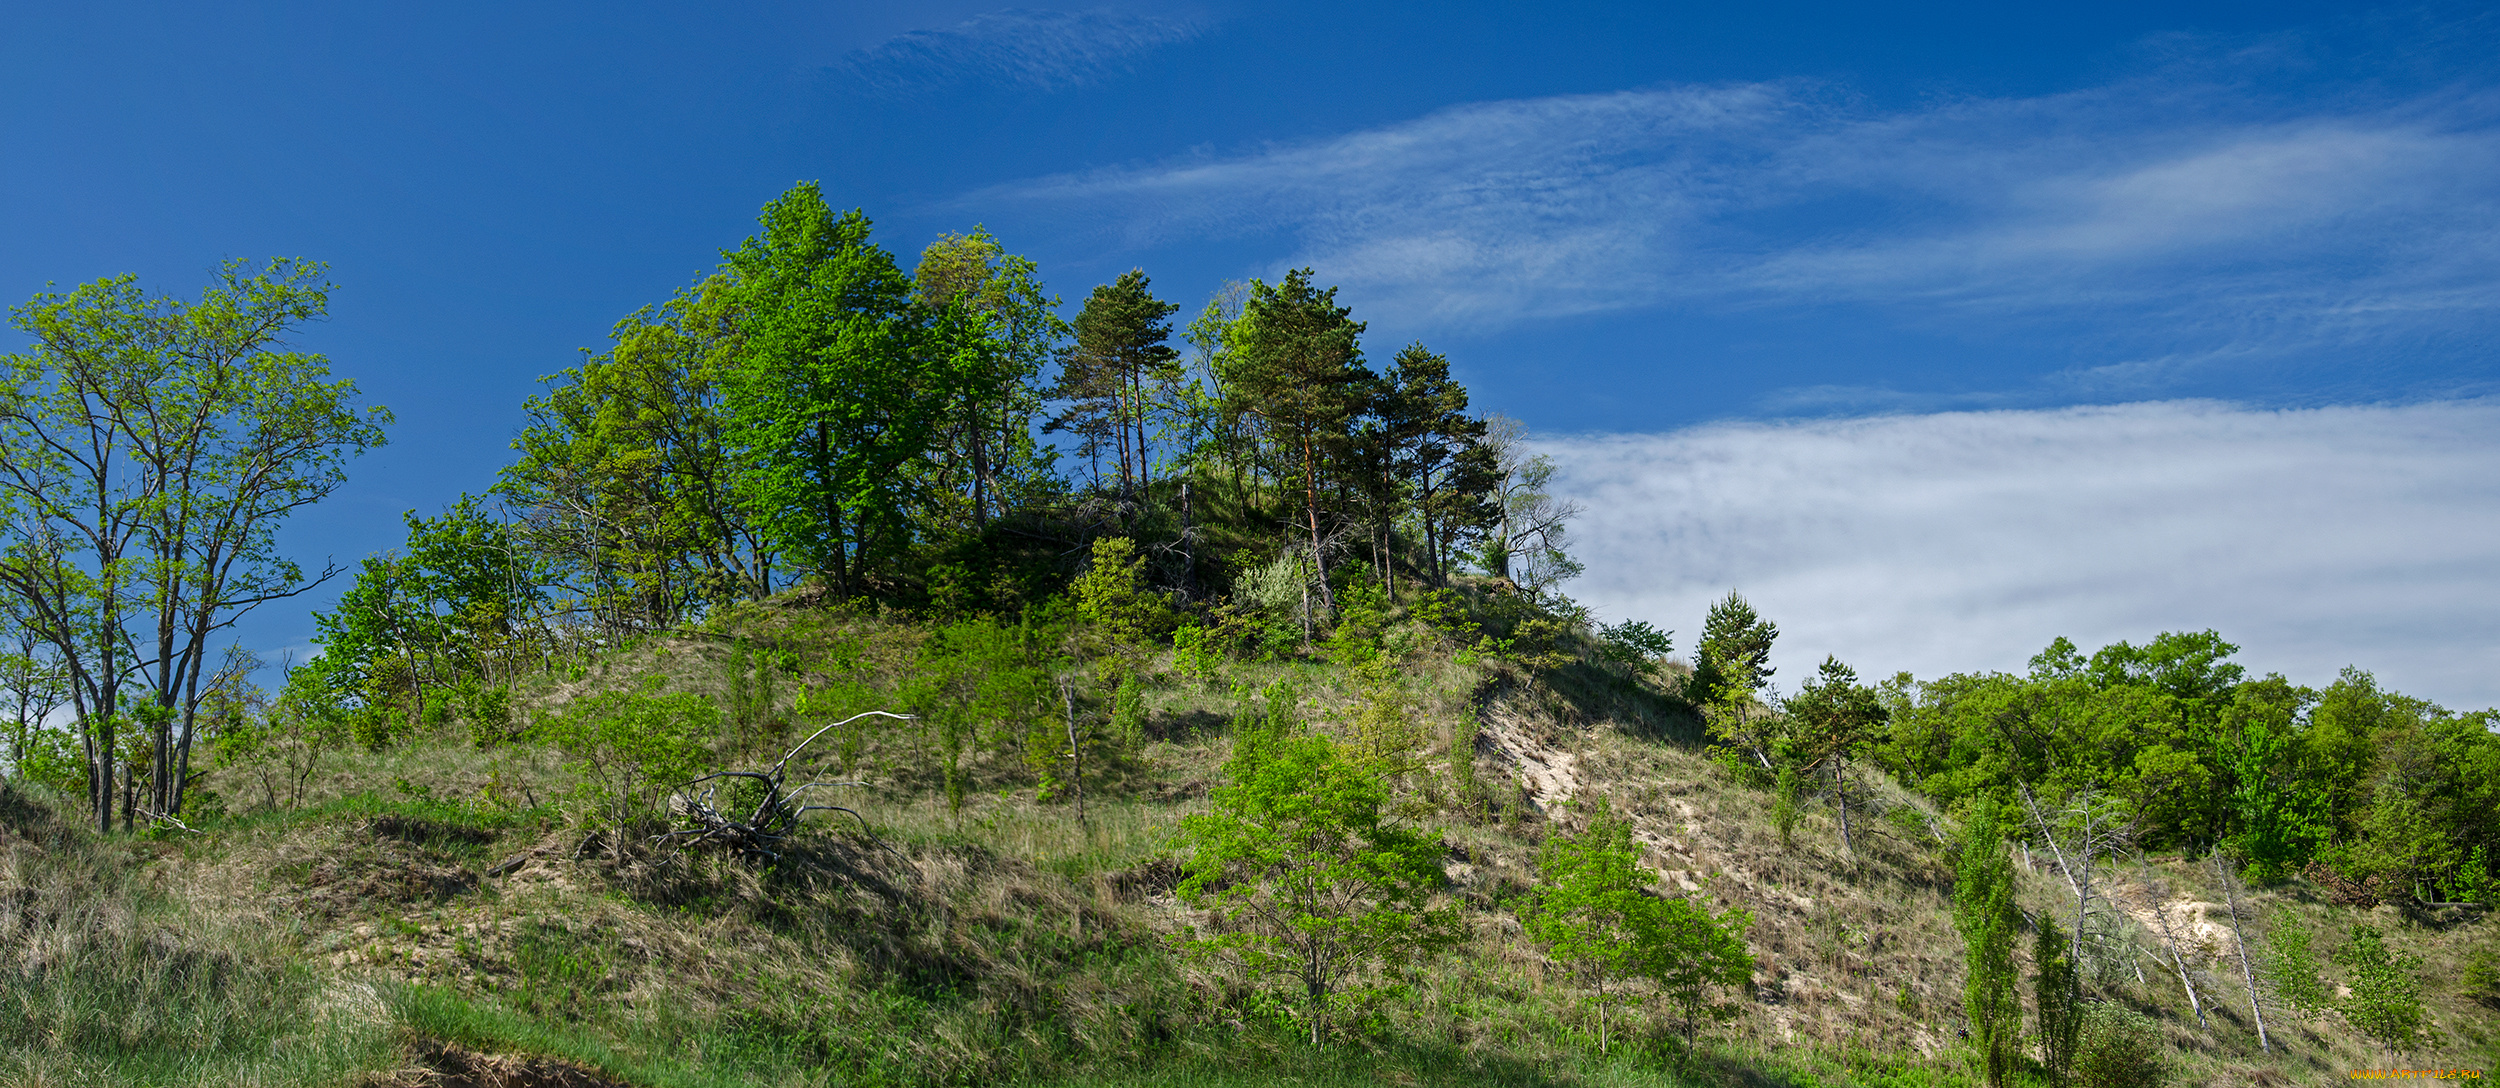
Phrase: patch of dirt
[447,1065]
[1549,772]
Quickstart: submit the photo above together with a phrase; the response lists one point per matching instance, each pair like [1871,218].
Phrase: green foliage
[1983,912]
[1593,908]
[628,748]
[1195,653]
[2385,999]
[2481,980]
[1787,789]
[832,393]
[1305,868]
[2057,999]
[2118,1048]
[1635,643]
[1120,355]
[1731,665]
[155,446]
[1112,594]
[2290,966]
[1128,715]
[1443,610]
[1694,954]
[1362,613]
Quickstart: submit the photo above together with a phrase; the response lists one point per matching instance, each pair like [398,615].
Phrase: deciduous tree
[155,446]
[1306,867]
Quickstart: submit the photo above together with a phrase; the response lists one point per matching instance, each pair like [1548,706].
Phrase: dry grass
[1012,940]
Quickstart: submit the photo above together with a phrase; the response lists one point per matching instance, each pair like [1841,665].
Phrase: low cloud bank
[1964,541]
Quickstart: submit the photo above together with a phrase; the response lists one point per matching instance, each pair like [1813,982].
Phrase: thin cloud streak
[1965,541]
[1040,50]
[2175,202]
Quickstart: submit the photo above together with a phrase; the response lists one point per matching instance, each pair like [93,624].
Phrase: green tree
[992,311]
[834,393]
[1110,376]
[155,448]
[1305,867]
[451,606]
[2057,999]
[624,482]
[2291,966]
[1112,594]
[1441,455]
[1984,914]
[1690,953]
[2385,999]
[1593,906]
[1731,664]
[2278,816]
[1831,720]
[1298,366]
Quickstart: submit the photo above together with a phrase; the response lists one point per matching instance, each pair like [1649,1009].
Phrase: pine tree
[1298,366]
[1120,353]
[1983,911]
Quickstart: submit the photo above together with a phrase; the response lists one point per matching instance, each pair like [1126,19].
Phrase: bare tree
[2239,939]
[1529,549]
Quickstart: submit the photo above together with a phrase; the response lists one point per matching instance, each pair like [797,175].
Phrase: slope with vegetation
[787,714]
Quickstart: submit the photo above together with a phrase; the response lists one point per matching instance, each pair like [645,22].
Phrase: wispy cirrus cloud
[2165,204]
[1042,50]
[1964,541]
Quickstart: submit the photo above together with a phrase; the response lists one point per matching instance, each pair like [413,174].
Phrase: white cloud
[1966,541]
[1046,50]
[2184,207]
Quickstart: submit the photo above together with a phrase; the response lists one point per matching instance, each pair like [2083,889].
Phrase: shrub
[2118,1048]
[628,747]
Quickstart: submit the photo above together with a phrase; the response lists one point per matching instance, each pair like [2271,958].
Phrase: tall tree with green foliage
[1109,377]
[1441,454]
[991,309]
[1298,366]
[1831,720]
[1983,912]
[1306,867]
[1733,663]
[624,486]
[155,447]
[834,393]
[1593,907]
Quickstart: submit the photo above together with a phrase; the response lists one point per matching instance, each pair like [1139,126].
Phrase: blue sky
[1819,301]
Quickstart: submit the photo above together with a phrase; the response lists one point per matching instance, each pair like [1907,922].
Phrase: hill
[454,905]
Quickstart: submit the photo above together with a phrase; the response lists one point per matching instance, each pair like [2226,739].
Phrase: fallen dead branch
[772,817]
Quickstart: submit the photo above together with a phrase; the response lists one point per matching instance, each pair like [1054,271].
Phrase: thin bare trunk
[2170,939]
[2239,940]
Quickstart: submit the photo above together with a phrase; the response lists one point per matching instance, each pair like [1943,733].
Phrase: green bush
[628,748]
[2118,1048]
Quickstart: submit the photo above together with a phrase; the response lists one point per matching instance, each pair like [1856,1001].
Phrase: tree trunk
[1189,548]
[1840,790]
[2239,939]
[1310,494]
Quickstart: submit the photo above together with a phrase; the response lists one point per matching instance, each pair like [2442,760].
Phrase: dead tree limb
[2239,938]
[759,830]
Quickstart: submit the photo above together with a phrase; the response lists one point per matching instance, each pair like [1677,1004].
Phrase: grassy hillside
[439,910]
